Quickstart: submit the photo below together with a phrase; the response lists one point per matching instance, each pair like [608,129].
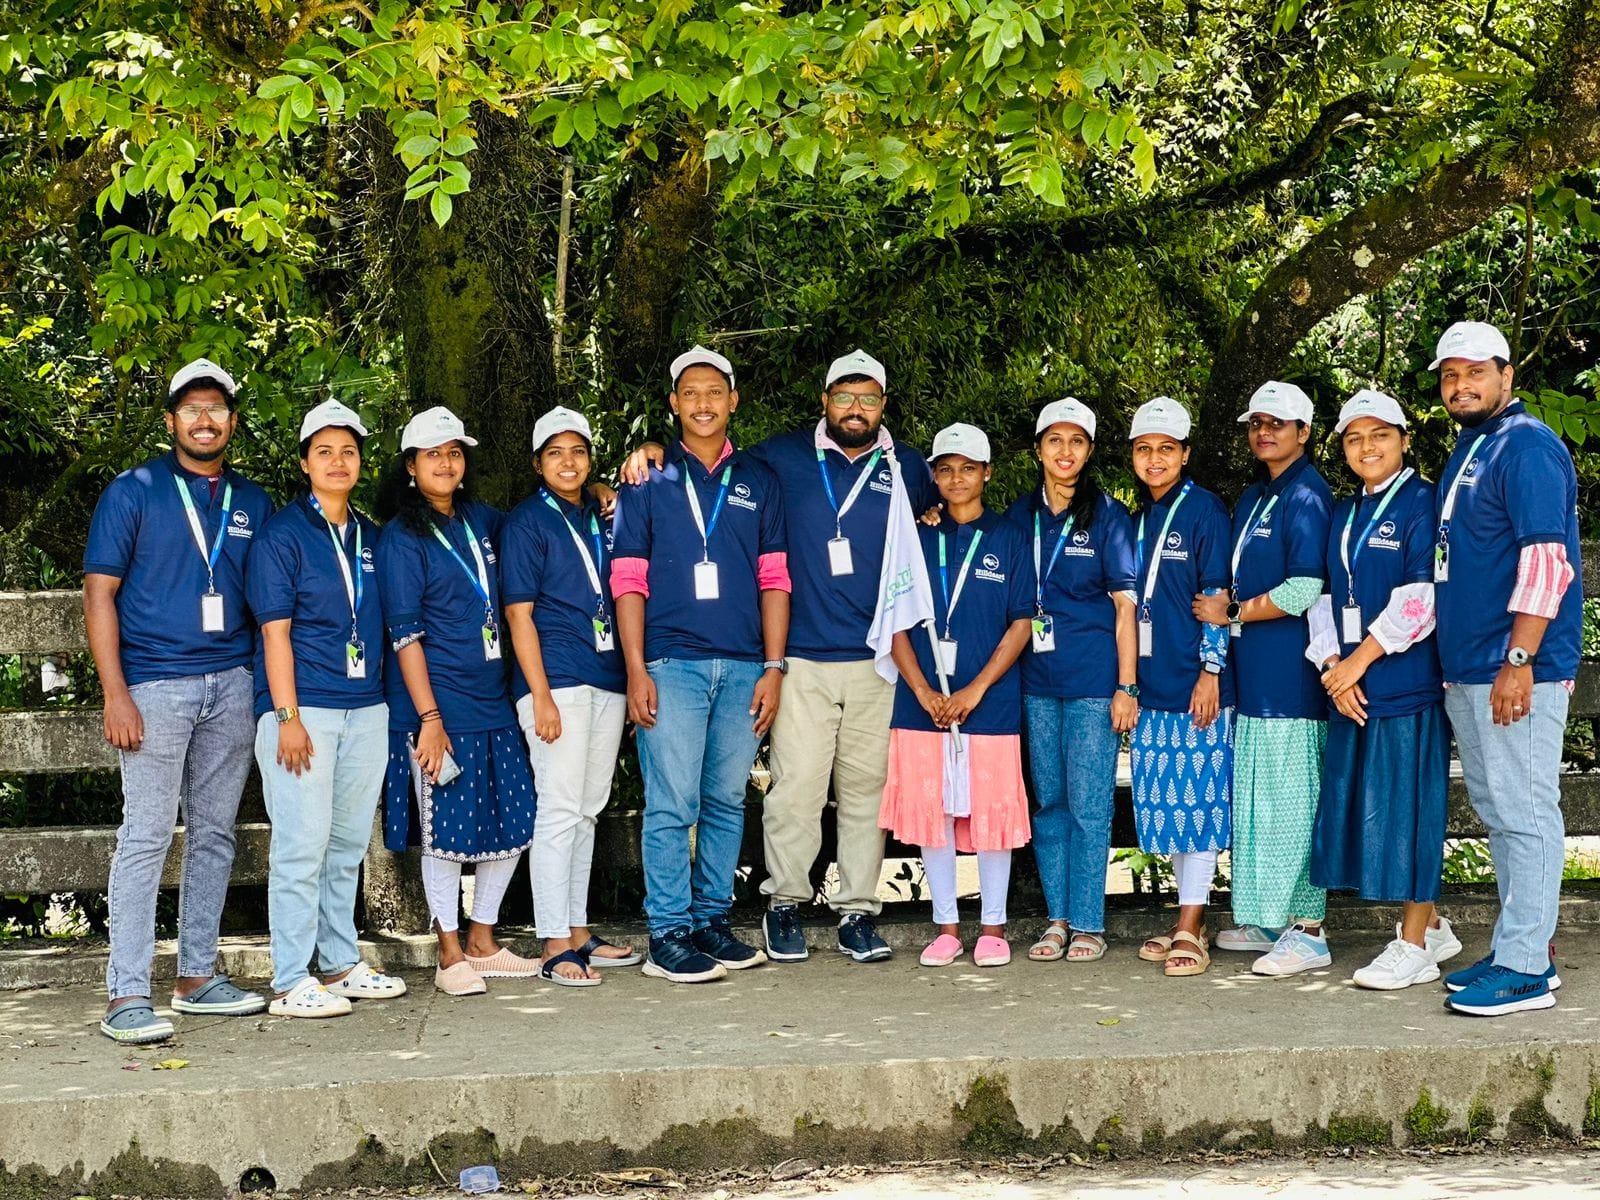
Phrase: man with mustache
[164,602]
[1506,580]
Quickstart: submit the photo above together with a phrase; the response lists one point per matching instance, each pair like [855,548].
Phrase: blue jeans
[1072,751]
[1513,775]
[695,762]
[321,824]
[195,756]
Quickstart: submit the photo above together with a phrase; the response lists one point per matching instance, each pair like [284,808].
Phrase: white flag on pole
[905,597]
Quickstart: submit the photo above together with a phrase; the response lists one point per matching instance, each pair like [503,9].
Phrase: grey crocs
[218,997]
[135,1023]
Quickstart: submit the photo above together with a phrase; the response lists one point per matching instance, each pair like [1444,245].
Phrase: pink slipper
[503,964]
[991,951]
[942,951]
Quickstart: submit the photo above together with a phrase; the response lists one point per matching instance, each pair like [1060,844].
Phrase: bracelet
[431,715]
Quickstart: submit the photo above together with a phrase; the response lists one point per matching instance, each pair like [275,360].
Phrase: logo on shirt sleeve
[990,569]
[239,525]
[741,497]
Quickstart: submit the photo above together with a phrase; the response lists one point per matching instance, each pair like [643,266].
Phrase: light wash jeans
[695,763]
[572,777]
[321,824]
[1072,751]
[195,756]
[1513,775]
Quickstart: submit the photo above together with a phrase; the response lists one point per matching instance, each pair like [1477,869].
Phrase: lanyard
[1155,561]
[590,562]
[716,510]
[199,533]
[1449,509]
[1250,526]
[480,580]
[951,599]
[827,486]
[354,585]
[1349,560]
[1039,576]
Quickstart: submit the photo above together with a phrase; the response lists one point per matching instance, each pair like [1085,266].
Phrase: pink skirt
[913,799]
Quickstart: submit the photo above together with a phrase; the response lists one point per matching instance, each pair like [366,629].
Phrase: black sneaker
[717,941]
[786,941]
[674,957]
[858,937]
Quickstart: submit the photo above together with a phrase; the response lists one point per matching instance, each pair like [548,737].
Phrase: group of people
[1288,680]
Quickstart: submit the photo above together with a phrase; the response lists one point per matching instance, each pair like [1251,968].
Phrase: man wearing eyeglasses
[163,600]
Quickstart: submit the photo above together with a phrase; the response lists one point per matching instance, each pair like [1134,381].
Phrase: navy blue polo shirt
[653,522]
[541,565]
[1397,550]
[1194,556]
[293,575]
[429,598]
[998,591]
[141,535]
[1292,514]
[1521,491]
[1093,563]
[830,614]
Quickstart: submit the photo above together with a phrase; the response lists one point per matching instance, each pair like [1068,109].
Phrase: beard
[205,454]
[851,439]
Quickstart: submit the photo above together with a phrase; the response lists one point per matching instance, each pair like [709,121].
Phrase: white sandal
[363,983]
[309,998]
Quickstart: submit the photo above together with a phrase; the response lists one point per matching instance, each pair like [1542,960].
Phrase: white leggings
[994,879]
[1194,872]
[441,880]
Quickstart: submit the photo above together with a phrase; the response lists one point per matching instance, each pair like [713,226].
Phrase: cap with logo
[857,362]
[559,420]
[1161,415]
[1068,411]
[328,414]
[699,356]
[433,428]
[966,440]
[201,368]
[1368,403]
[1475,341]
[1275,398]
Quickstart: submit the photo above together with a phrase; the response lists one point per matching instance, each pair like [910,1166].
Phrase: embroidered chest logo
[366,559]
[1078,545]
[740,497]
[1384,538]
[1173,551]
[990,570]
[884,482]
[240,526]
[488,549]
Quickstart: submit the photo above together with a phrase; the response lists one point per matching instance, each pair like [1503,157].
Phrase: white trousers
[994,879]
[572,776]
[441,881]
[1194,872]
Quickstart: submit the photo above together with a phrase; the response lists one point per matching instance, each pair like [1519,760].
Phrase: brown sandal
[1161,939]
[1189,955]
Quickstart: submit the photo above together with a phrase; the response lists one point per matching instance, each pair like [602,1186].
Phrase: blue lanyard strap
[354,585]
[1252,523]
[593,565]
[706,528]
[1350,557]
[1040,575]
[849,501]
[1161,540]
[953,599]
[1448,509]
[199,533]
[480,582]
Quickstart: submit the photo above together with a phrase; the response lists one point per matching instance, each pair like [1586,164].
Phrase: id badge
[491,640]
[947,655]
[1350,624]
[1235,629]
[211,618]
[705,581]
[1441,562]
[839,562]
[1044,633]
[603,639]
[1147,638]
[355,660]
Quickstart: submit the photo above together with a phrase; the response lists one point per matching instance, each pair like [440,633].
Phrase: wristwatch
[1212,668]
[1518,657]
[285,715]
[1129,689]
[780,665]
[1233,612]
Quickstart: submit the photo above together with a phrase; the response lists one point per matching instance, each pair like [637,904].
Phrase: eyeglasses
[871,401]
[1272,423]
[193,412]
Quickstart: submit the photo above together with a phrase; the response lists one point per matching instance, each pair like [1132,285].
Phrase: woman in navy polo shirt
[1280,537]
[571,687]
[949,790]
[1183,745]
[320,719]
[458,782]
[1079,682]
[1386,774]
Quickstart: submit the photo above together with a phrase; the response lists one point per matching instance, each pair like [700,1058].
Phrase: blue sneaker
[858,937]
[786,941]
[674,957]
[716,939]
[1467,976]
[1499,991]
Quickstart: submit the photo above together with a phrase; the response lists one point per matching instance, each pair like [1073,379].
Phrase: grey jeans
[198,731]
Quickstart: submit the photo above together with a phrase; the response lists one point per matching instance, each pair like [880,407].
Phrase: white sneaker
[1399,966]
[1442,942]
[1252,939]
[363,983]
[1295,951]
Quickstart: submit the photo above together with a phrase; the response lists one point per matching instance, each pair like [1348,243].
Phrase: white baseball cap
[1368,403]
[201,368]
[559,420]
[330,413]
[432,428]
[857,362]
[966,440]
[1161,415]
[1472,340]
[1282,400]
[699,356]
[1068,410]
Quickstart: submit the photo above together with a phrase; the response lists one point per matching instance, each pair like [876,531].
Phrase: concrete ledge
[38,623]
[78,858]
[54,741]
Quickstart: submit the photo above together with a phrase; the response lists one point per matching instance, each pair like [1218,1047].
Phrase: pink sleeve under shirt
[1543,575]
[632,575]
[772,572]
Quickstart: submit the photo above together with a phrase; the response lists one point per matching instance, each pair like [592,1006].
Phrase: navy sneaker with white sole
[716,939]
[673,957]
[858,937]
[1467,976]
[786,940]
[1499,991]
